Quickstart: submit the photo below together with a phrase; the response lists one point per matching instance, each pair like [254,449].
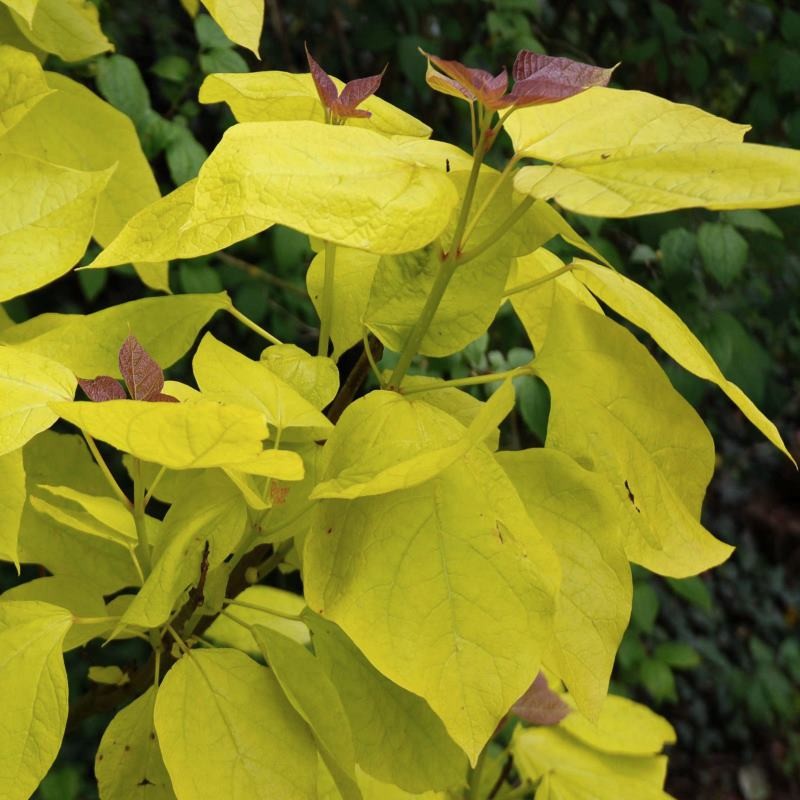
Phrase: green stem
[285,524]
[473,128]
[152,487]
[282,614]
[237,620]
[524,287]
[502,178]
[261,275]
[474,380]
[247,322]
[178,640]
[326,312]
[446,267]
[136,565]
[517,793]
[101,462]
[273,561]
[476,775]
[268,485]
[411,347]
[93,620]
[143,548]
[502,119]
[501,230]
[368,354]
[157,668]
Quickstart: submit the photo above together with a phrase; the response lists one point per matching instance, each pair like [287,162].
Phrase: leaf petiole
[178,640]
[237,620]
[524,287]
[255,607]
[517,793]
[248,323]
[152,487]
[137,566]
[501,179]
[101,462]
[267,566]
[93,620]
[368,353]
[143,548]
[474,380]
[476,774]
[501,230]
[326,312]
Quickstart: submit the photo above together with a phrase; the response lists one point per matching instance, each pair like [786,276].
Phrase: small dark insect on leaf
[447,165]
[631,497]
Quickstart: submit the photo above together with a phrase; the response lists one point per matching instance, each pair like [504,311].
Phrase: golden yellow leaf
[22,87]
[346,185]
[28,383]
[646,311]
[273,95]
[68,28]
[46,219]
[615,412]
[240,19]
[73,127]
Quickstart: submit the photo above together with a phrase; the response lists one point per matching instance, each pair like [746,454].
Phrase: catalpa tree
[461,605]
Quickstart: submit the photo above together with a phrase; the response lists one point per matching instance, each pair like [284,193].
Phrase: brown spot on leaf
[278,494]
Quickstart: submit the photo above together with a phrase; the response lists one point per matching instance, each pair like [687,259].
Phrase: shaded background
[719,655]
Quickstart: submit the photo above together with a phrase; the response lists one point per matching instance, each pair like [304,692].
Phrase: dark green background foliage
[718,654]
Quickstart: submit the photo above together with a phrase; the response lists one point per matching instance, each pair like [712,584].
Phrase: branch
[358,374]
[259,274]
[101,699]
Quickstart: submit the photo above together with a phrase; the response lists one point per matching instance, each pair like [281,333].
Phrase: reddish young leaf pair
[143,377]
[340,106]
[538,79]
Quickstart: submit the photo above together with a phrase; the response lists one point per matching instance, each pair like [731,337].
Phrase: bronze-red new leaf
[544,79]
[143,377]
[355,92]
[102,388]
[469,83]
[538,79]
[540,705]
